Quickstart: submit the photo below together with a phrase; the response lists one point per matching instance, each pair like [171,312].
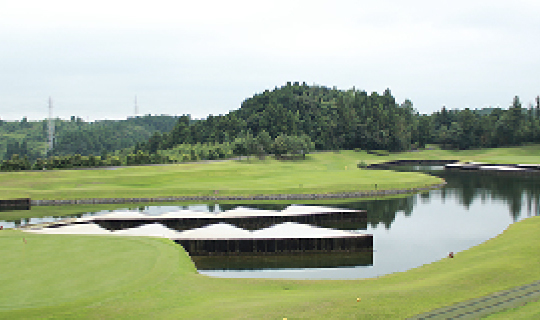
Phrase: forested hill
[75,136]
[332,118]
[348,119]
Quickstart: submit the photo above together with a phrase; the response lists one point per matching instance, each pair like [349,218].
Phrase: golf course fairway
[326,172]
[319,173]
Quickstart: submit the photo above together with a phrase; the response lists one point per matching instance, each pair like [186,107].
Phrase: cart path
[486,305]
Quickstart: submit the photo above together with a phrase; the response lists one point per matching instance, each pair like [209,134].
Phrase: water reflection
[265,263]
[469,187]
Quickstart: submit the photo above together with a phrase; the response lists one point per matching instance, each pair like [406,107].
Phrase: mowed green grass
[100,277]
[530,310]
[320,173]
[327,172]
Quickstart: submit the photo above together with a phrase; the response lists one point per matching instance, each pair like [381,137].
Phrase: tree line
[75,136]
[466,129]
[17,163]
[290,147]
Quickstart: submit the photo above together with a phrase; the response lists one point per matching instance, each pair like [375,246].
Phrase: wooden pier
[247,246]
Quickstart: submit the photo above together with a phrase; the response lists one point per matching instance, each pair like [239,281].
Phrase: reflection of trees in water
[425,197]
[377,210]
[514,190]
[383,210]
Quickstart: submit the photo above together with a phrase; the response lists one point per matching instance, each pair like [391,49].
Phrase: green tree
[264,143]
[515,121]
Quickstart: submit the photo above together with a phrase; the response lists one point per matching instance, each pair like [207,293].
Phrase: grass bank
[110,277]
[320,173]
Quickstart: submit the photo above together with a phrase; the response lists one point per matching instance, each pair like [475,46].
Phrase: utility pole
[538,106]
[51,125]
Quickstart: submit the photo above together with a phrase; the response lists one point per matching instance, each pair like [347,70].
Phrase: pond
[410,231]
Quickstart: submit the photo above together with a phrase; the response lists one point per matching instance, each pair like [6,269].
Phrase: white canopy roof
[84,219]
[149,230]
[240,212]
[122,215]
[90,228]
[220,231]
[512,169]
[492,167]
[215,231]
[186,214]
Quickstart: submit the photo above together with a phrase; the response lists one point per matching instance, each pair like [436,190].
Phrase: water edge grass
[107,277]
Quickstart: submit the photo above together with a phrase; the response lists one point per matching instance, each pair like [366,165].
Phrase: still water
[412,231]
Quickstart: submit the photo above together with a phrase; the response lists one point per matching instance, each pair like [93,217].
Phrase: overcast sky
[206,57]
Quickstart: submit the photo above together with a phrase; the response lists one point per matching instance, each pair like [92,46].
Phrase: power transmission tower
[136,108]
[51,126]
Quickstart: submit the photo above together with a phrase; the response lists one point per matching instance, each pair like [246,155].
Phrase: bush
[362,165]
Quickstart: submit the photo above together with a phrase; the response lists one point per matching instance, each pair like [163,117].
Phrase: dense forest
[75,136]
[336,119]
[288,122]
[331,118]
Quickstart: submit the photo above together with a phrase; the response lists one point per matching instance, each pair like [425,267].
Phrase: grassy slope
[321,173]
[103,277]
